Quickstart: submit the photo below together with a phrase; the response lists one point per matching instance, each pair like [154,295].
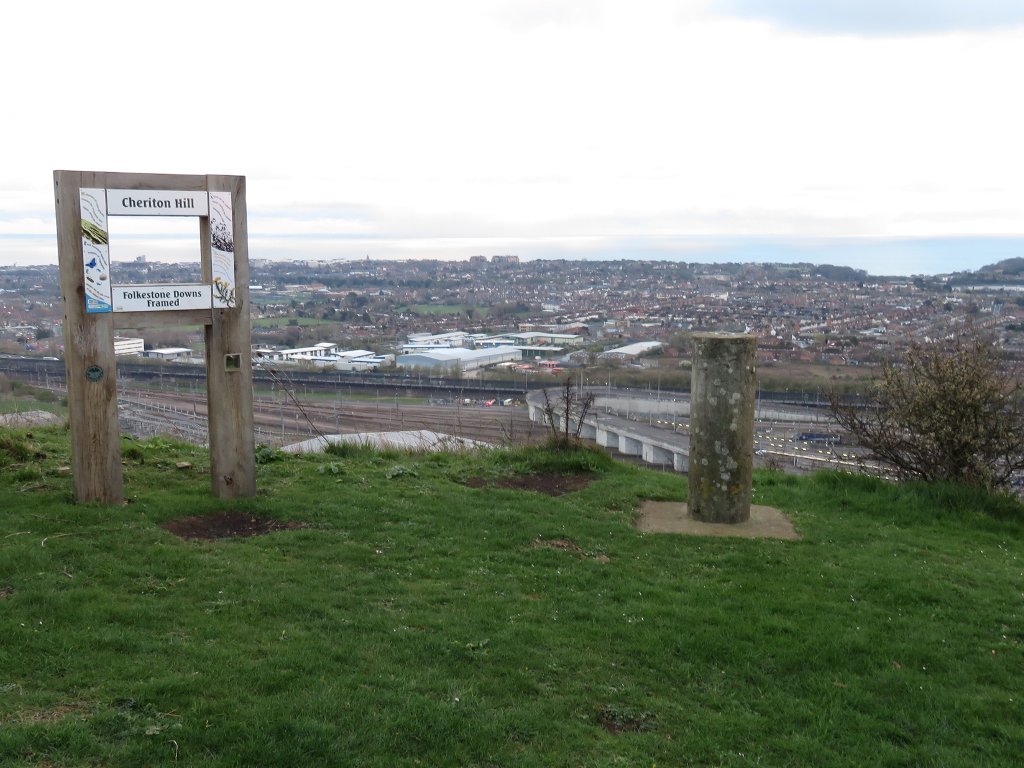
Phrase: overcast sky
[885,134]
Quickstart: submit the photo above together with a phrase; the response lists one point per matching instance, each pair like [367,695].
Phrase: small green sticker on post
[232,362]
[94,373]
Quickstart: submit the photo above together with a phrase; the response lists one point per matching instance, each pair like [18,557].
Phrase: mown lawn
[420,621]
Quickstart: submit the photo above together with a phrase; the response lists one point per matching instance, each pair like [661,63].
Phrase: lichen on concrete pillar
[722,427]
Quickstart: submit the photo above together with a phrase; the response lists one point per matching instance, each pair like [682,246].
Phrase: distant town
[816,324]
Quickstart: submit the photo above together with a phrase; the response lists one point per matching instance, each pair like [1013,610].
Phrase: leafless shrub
[509,435]
[947,410]
[564,416]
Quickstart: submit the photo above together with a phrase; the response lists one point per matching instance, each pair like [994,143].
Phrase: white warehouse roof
[632,350]
[467,359]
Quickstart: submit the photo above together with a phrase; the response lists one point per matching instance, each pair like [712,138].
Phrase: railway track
[283,421]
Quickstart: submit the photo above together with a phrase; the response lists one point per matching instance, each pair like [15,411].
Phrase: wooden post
[88,360]
[229,365]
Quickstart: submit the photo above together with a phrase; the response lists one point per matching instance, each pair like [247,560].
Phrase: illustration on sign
[223,249]
[95,250]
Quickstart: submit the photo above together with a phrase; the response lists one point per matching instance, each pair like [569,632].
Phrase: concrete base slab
[673,517]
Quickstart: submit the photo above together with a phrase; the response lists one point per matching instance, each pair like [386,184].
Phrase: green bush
[265,454]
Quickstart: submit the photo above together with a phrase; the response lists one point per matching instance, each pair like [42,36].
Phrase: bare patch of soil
[6,592]
[552,485]
[53,715]
[625,720]
[568,545]
[227,525]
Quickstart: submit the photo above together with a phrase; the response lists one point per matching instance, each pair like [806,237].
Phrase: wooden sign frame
[89,324]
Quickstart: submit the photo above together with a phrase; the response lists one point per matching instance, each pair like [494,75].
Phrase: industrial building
[321,350]
[631,350]
[457,359]
[170,353]
[326,355]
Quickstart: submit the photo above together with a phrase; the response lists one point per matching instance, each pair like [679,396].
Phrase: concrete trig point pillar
[722,427]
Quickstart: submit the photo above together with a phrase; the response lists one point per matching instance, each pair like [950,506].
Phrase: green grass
[23,405]
[418,621]
[27,398]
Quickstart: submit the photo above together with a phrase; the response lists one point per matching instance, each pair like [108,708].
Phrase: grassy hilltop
[427,610]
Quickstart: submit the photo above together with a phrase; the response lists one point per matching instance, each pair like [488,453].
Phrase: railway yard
[283,418]
[790,439]
[791,436]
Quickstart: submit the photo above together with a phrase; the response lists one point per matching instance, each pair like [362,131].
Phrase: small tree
[948,410]
[571,406]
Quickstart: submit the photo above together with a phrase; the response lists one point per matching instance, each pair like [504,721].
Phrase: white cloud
[880,17]
[409,121]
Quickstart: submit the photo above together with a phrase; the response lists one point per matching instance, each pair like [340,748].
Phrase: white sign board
[156,202]
[97,205]
[158,298]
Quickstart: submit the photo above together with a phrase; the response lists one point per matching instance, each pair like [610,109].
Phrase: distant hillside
[840,274]
[1006,266]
